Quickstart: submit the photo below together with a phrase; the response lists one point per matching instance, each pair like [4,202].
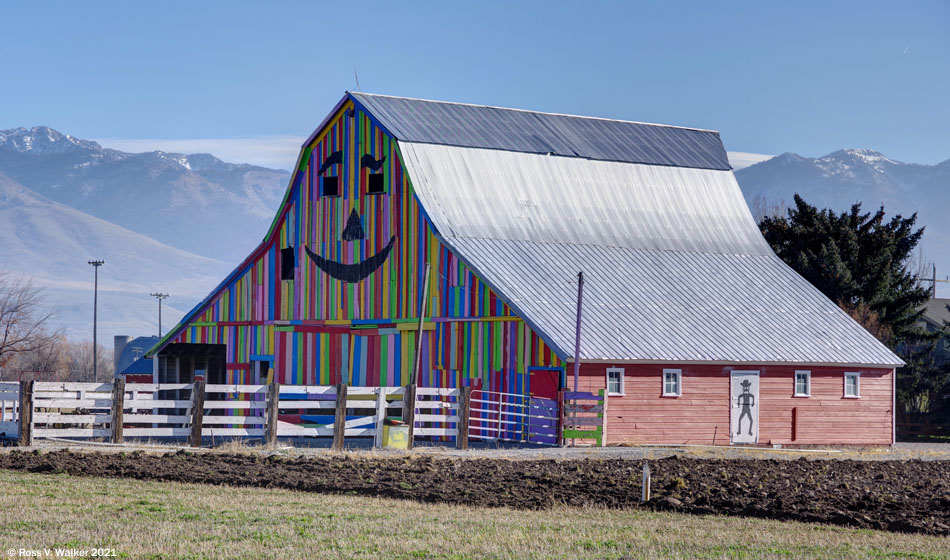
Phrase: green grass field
[167,520]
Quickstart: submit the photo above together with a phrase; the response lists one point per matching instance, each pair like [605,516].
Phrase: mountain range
[52,243]
[179,223]
[841,178]
[168,222]
[173,198]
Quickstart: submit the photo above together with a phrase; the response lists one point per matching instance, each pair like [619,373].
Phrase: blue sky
[249,80]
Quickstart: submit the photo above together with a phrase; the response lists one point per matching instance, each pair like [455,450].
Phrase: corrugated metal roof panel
[649,305]
[477,126]
[473,192]
[139,366]
[675,267]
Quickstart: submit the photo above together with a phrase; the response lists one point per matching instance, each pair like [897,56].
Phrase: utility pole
[933,282]
[95,310]
[577,338]
[422,318]
[160,296]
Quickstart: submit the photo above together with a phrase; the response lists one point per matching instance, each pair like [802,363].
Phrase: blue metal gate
[496,416]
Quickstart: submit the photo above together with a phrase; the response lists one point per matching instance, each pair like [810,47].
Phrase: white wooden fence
[439,412]
[72,409]
[120,410]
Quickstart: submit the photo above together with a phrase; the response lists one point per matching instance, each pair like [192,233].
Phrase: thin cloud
[739,160]
[278,152]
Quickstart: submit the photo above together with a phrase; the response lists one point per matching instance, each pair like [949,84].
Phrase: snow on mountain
[42,139]
[841,178]
[192,201]
[51,243]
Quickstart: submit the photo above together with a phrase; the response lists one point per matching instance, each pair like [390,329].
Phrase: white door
[745,407]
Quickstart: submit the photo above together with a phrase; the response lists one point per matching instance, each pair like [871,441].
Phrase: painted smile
[352,272]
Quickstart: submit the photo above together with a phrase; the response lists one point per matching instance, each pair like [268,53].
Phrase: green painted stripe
[582,434]
[305,160]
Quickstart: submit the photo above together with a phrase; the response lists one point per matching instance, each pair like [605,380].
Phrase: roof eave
[176,330]
[740,363]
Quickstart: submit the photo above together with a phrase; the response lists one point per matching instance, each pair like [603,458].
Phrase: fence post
[339,418]
[273,406]
[465,404]
[197,412]
[409,410]
[118,406]
[26,413]
[380,416]
[603,426]
[560,419]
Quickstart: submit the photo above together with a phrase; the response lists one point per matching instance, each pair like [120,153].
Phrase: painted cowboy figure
[746,400]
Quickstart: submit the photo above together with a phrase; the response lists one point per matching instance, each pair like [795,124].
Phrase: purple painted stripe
[543,430]
[580,395]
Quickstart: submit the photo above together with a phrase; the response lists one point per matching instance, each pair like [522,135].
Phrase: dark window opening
[329,186]
[376,183]
[287,263]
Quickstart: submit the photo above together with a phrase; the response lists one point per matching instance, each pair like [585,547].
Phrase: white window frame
[619,371]
[857,384]
[807,392]
[679,382]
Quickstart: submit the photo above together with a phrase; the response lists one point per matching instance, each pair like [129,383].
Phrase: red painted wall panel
[701,414]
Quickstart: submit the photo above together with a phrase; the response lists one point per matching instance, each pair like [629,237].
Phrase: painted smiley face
[353,231]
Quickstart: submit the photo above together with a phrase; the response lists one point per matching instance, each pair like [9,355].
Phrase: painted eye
[330,186]
[376,184]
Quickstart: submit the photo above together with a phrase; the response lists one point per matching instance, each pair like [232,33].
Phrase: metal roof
[478,126]
[133,351]
[675,268]
[550,199]
[140,366]
[936,312]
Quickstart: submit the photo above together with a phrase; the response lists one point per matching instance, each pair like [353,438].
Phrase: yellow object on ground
[396,437]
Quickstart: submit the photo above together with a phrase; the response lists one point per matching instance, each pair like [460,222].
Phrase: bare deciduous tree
[48,361]
[922,268]
[762,208]
[80,362]
[22,318]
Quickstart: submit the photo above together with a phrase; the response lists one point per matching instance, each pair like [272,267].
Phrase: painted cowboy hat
[746,383]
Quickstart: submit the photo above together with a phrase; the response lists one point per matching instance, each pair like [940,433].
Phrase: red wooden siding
[642,415]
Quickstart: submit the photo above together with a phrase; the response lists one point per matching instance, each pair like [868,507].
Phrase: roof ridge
[531,111]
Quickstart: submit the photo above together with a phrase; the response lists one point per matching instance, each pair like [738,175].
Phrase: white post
[380,416]
[645,485]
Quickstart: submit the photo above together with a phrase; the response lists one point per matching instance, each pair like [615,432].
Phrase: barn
[440,244]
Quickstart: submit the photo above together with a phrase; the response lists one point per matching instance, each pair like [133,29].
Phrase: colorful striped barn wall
[321,330]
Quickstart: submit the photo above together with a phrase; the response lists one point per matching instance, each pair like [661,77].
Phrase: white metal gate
[9,410]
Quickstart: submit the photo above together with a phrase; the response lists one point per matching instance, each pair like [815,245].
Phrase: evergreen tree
[859,260]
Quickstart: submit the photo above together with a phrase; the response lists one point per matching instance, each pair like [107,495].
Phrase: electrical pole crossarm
[160,296]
